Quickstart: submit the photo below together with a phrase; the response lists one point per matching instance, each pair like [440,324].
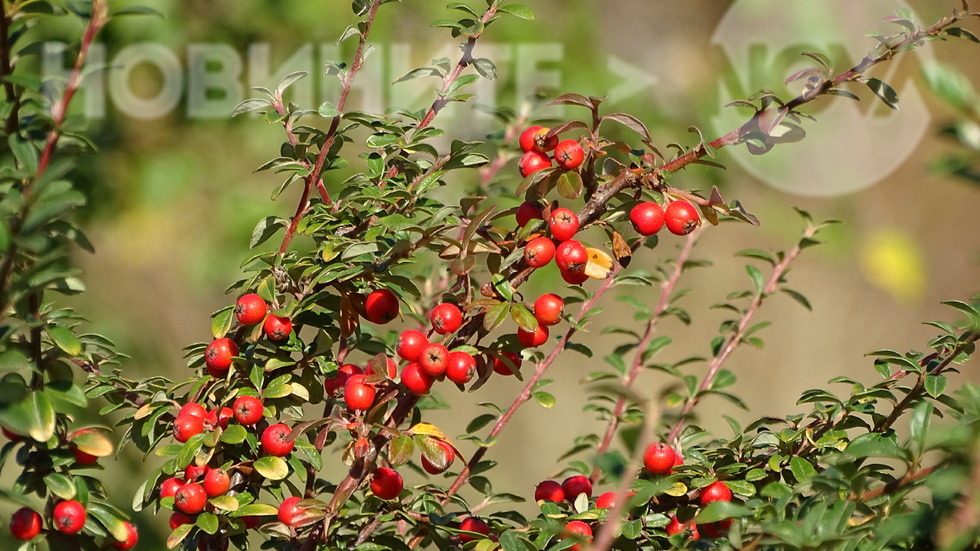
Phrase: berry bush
[303,373]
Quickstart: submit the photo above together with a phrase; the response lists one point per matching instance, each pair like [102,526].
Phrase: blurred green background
[174,196]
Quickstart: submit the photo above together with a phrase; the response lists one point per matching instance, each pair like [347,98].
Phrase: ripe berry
[529,210]
[68,517]
[681,217]
[194,472]
[574,278]
[170,486]
[715,529]
[647,218]
[532,162]
[526,141]
[277,328]
[288,510]
[531,339]
[339,379]
[473,524]
[446,318]
[25,524]
[716,491]
[575,485]
[448,452]
[275,440]
[500,367]
[606,501]
[549,490]
[410,344]
[218,354]
[179,519]
[248,410]
[386,483]
[577,528]
[190,498]
[548,309]
[569,154]
[533,139]
[193,408]
[571,257]
[83,458]
[186,426]
[381,306]
[434,359]
[563,224]
[357,394]
[659,458]
[12,436]
[132,536]
[460,367]
[416,380]
[675,527]
[539,251]
[218,417]
[250,309]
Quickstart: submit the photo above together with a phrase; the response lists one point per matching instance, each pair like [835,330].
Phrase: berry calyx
[190,498]
[563,224]
[460,367]
[410,344]
[68,517]
[539,251]
[288,510]
[446,318]
[170,486]
[535,139]
[573,486]
[473,524]
[339,379]
[531,162]
[500,367]
[358,395]
[659,458]
[132,536]
[571,257]
[416,380]
[381,306]
[531,339]
[186,426]
[218,354]
[247,410]
[549,490]
[716,491]
[449,455]
[548,309]
[386,483]
[25,524]
[277,328]
[569,154]
[276,441]
[681,217]
[647,218]
[434,359]
[529,210]
[250,309]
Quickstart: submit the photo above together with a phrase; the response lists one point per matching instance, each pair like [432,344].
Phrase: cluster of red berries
[250,309]
[680,217]
[67,517]
[537,141]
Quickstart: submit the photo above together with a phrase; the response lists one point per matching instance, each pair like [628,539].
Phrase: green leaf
[256,510]
[234,434]
[511,540]
[485,67]
[400,450]
[178,535]
[919,425]
[221,321]
[496,315]
[207,522]
[758,280]
[517,10]
[545,399]
[523,317]
[461,82]
[935,385]
[570,184]
[65,339]
[135,10]
[271,467]
[874,445]
[266,228]
[802,469]
[884,92]
[741,487]
[721,510]
[24,152]
[108,518]
[60,485]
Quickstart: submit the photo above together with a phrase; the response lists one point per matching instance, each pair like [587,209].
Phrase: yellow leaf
[428,430]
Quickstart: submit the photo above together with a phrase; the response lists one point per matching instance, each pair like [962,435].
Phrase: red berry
[416,380]
[716,491]
[659,458]
[606,501]
[526,141]
[579,529]
[575,485]
[277,328]
[533,139]
[218,354]
[250,521]
[170,486]
[647,218]
[675,527]
[574,278]
[193,408]
[410,344]
[250,309]
[529,210]
[460,367]
[539,251]
[715,529]
[548,309]
[569,154]
[532,162]
[339,379]
[25,524]
[194,472]
[68,517]
[531,339]
[82,457]
[132,536]
[500,367]
[386,483]
[381,306]
[571,257]
[190,498]
[276,441]
[179,519]
[563,224]
[446,318]
[473,524]
[448,453]
[248,410]
[12,436]
[434,359]
[218,417]
[357,394]
[681,217]
[186,426]
[288,510]
[549,490]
